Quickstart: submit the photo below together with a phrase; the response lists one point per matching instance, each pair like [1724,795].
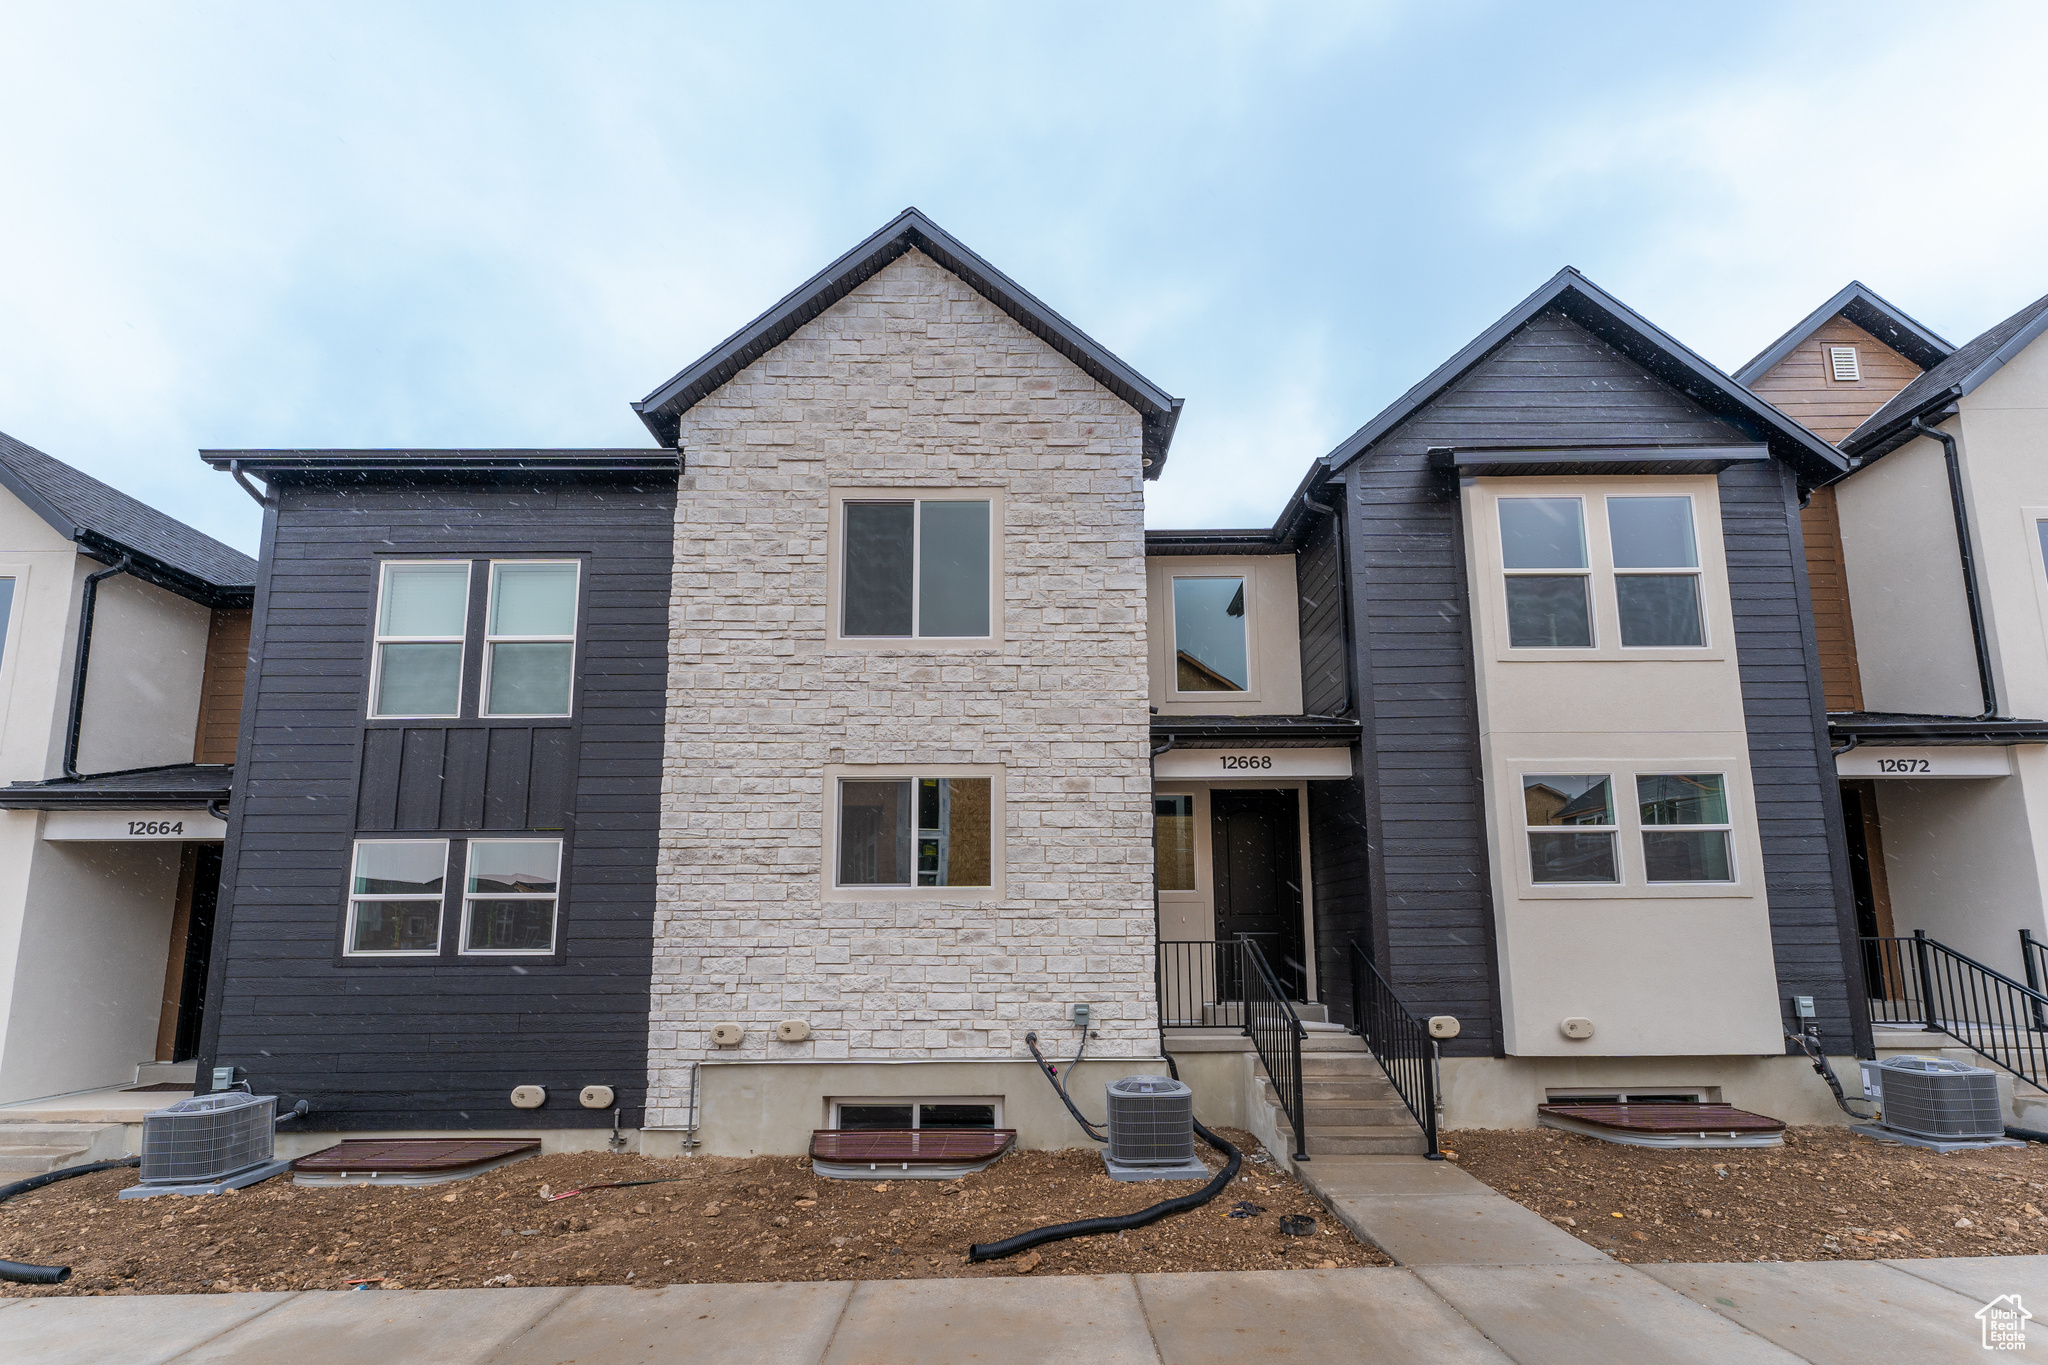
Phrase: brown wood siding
[1833,626]
[1800,387]
[220,693]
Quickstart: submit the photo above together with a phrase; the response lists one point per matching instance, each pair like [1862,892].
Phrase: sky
[368,225]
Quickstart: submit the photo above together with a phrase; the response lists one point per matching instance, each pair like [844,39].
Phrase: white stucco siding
[142,686]
[913,380]
[88,973]
[1913,645]
[34,667]
[1660,969]
[1964,859]
[2003,430]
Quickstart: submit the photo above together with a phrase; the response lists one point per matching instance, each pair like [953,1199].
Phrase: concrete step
[1342,1090]
[1338,1041]
[28,1148]
[1341,1064]
[1368,1140]
[1358,1115]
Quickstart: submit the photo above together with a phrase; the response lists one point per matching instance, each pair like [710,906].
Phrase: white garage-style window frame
[1613,568]
[915,568]
[530,637]
[421,627]
[913,832]
[1636,828]
[396,892]
[511,897]
[868,1112]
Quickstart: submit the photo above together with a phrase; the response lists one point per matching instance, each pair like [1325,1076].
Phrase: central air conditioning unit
[206,1141]
[1932,1097]
[1152,1130]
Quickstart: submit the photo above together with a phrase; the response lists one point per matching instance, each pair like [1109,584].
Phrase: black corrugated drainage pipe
[1095,1227]
[1969,557]
[78,662]
[21,1273]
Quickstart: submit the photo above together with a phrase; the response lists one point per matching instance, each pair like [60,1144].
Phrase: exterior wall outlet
[1802,1007]
[727,1035]
[223,1078]
[529,1096]
[595,1097]
[1443,1026]
[792,1031]
[1080,1016]
[1576,1028]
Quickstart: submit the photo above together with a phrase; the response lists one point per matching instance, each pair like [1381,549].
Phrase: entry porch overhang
[1904,728]
[106,805]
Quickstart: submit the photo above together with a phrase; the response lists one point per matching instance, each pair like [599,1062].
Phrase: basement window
[1625,1097]
[1842,366]
[870,1114]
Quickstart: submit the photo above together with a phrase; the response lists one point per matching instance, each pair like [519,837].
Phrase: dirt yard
[1826,1195]
[721,1220]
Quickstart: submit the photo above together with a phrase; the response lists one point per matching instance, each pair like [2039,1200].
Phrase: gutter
[1969,559]
[79,661]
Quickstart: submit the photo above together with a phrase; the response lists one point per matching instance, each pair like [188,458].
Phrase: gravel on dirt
[1826,1195]
[719,1220]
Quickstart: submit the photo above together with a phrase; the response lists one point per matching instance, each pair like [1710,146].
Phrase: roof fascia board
[460,463]
[1603,314]
[662,409]
[1860,296]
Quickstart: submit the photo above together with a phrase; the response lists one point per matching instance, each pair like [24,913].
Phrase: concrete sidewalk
[1833,1312]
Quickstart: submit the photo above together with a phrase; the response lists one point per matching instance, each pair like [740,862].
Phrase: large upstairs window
[1210,649]
[916,568]
[1558,593]
[422,613]
[427,642]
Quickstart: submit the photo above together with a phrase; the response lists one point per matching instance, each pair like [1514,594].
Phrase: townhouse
[1930,596]
[785,774]
[123,635]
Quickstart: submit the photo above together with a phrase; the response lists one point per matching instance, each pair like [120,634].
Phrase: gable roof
[662,410]
[1957,376]
[1860,304]
[1574,296]
[107,523]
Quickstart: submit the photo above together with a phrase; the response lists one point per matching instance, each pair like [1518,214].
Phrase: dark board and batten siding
[1319,585]
[1419,796]
[439,1043]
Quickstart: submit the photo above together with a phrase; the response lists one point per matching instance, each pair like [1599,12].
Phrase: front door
[1256,840]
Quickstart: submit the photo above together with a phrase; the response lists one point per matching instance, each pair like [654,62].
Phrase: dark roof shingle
[1972,363]
[83,509]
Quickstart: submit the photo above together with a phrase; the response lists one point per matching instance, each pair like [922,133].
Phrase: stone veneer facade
[913,379]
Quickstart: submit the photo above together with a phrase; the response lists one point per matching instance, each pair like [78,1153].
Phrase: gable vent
[1842,364]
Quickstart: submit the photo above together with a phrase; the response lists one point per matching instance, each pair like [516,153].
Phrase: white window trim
[1643,831]
[1612,831]
[554,921]
[348,928]
[1745,849]
[828,874]
[1250,581]
[835,550]
[380,639]
[1491,574]
[1583,573]
[490,640]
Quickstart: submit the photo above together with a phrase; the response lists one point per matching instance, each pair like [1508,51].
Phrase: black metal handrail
[1399,1041]
[2034,957]
[1191,978]
[1919,982]
[1276,1033]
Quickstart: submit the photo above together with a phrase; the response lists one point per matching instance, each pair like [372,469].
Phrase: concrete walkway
[1425,1213]
[1833,1313]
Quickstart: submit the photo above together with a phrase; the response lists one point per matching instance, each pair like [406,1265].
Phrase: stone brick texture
[912,380]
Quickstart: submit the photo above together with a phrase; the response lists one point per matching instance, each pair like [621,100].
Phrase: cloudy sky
[393,224]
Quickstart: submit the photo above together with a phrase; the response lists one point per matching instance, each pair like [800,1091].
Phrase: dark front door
[1257,842]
